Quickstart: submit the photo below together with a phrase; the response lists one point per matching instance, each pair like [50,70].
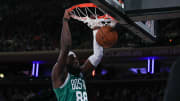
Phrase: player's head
[73,65]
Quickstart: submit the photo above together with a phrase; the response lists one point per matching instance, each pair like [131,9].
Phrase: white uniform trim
[65,82]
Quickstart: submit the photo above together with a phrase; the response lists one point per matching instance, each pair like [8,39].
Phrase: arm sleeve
[97,55]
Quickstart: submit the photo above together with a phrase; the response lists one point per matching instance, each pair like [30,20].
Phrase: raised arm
[59,71]
[95,58]
[97,55]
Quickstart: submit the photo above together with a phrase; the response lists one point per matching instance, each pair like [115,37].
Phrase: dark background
[30,31]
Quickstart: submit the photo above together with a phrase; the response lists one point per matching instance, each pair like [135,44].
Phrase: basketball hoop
[91,15]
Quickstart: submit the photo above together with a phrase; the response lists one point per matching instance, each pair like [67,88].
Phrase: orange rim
[81,6]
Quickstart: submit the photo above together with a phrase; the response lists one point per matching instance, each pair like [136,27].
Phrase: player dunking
[67,79]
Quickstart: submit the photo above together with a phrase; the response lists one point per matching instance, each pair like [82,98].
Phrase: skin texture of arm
[59,71]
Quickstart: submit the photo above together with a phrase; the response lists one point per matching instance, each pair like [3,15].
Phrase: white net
[92,16]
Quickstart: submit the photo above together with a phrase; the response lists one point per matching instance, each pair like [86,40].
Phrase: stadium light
[33,69]
[1,75]
[93,72]
[149,63]
[104,72]
[152,66]
[37,69]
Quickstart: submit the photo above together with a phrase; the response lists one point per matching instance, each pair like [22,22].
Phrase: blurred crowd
[26,94]
[27,42]
[95,93]
[130,94]
[40,42]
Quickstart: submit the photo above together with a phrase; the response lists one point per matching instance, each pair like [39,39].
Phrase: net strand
[81,12]
[91,11]
[96,13]
[78,12]
[84,14]
[86,11]
[102,11]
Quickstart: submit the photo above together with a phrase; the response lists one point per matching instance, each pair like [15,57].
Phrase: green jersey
[73,89]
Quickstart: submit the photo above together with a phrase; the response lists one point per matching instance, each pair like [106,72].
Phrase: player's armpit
[58,76]
[59,71]
[86,66]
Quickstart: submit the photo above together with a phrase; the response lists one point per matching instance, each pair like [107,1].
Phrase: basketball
[106,36]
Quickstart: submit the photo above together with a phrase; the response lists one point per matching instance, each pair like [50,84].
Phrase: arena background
[132,70]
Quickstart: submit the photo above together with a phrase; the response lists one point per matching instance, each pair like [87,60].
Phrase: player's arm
[59,71]
[95,58]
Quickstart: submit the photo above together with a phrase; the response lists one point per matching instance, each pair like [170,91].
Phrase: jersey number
[81,96]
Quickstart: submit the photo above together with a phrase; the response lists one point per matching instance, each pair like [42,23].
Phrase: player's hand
[66,15]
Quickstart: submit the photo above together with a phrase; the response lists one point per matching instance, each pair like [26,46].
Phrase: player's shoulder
[66,81]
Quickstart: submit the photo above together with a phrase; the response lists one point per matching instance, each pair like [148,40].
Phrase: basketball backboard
[115,8]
